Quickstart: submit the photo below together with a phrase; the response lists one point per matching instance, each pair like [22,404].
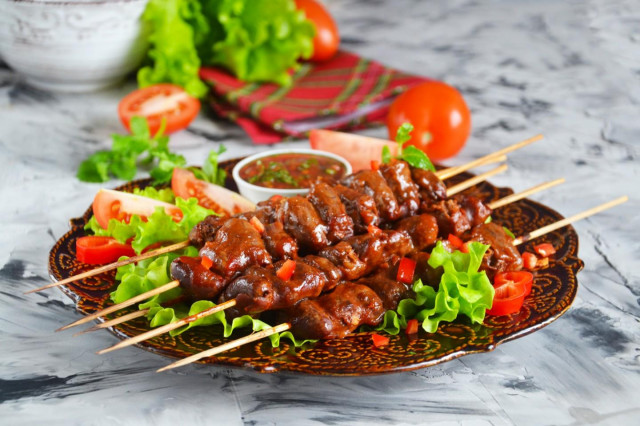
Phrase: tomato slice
[359,150]
[185,185]
[109,204]
[95,250]
[509,297]
[158,102]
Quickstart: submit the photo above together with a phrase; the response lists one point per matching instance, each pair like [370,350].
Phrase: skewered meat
[279,244]
[360,207]
[422,229]
[502,255]
[260,289]
[197,282]
[372,183]
[398,176]
[331,210]
[451,218]
[236,246]
[336,314]
[302,222]
[431,188]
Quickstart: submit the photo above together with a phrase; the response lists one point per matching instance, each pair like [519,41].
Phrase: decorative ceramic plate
[554,289]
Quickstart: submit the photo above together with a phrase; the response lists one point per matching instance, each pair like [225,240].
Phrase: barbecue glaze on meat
[336,314]
[502,255]
[236,246]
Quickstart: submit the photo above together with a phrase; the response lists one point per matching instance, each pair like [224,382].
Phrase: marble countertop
[569,70]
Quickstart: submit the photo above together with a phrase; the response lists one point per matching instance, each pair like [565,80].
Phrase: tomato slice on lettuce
[109,204]
[217,198]
[510,291]
[359,150]
[160,102]
[95,250]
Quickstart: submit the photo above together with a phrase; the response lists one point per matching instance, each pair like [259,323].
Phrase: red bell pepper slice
[95,250]
[544,249]
[508,298]
[379,341]
[524,277]
[530,260]
[406,269]
[286,270]
[412,327]
[375,165]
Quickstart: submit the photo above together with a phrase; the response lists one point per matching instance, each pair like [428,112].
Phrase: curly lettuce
[257,40]
[463,290]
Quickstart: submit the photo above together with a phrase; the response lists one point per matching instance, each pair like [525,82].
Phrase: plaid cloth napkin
[345,93]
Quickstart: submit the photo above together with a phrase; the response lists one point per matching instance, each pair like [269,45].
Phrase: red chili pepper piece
[530,260]
[508,298]
[375,165]
[286,270]
[412,327]
[206,262]
[406,268]
[95,250]
[379,341]
[544,249]
[455,241]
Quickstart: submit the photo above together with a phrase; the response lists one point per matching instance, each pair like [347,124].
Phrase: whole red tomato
[327,39]
[439,115]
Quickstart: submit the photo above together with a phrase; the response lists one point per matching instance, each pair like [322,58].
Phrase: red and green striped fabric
[346,93]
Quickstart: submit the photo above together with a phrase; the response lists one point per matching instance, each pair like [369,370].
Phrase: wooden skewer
[456,170]
[115,321]
[115,265]
[168,327]
[447,173]
[564,222]
[230,345]
[132,301]
[520,195]
[475,180]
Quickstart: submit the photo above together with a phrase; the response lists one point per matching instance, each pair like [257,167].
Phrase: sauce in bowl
[291,170]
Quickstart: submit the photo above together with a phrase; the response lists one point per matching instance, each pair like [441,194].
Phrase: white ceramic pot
[72,46]
[257,193]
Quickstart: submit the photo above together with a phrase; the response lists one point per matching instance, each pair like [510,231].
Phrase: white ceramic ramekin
[257,193]
[72,45]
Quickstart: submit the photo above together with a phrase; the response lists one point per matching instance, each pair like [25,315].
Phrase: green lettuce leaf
[462,289]
[174,26]
[159,316]
[261,40]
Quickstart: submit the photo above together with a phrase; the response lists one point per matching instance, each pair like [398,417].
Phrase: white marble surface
[570,70]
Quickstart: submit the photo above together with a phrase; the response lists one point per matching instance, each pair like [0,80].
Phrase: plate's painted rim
[575,264]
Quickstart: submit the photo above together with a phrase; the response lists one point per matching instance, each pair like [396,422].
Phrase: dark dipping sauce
[292,171]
